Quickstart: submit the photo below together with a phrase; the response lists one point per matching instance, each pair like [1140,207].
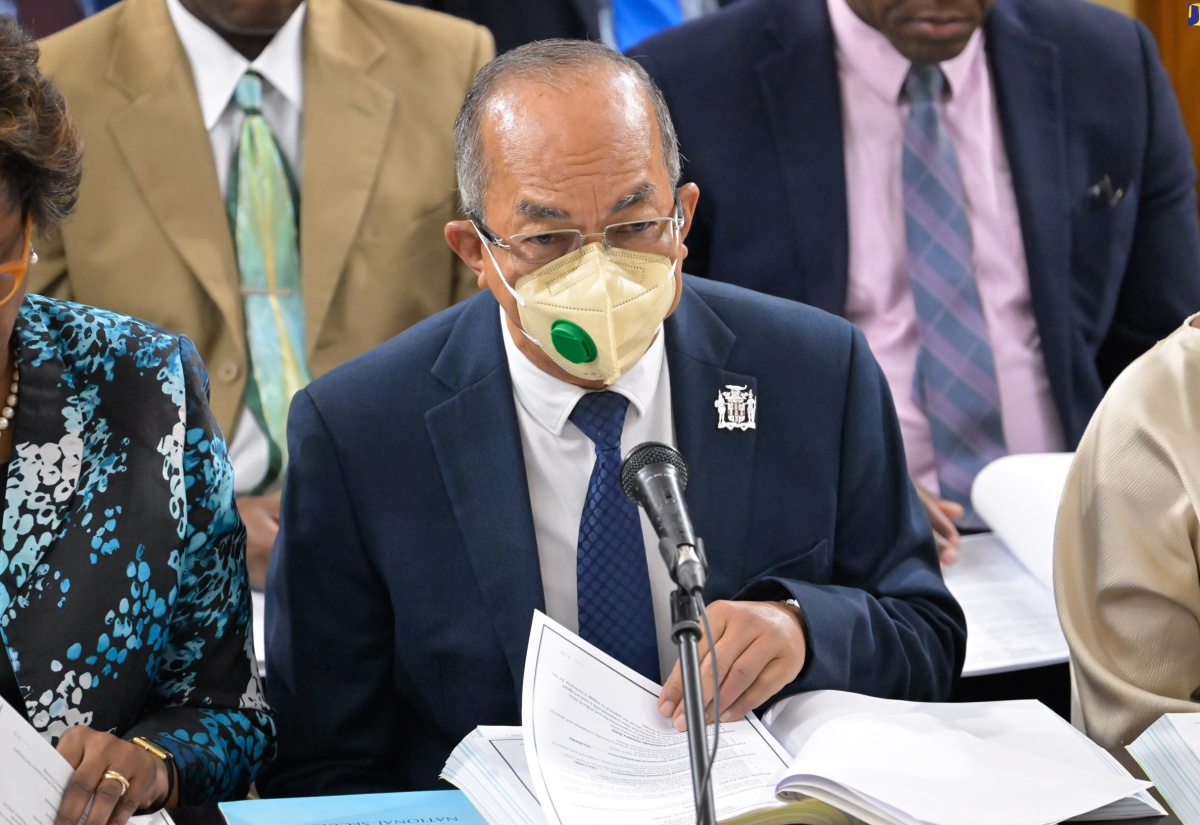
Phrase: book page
[1018,497]
[599,752]
[1022,726]
[1012,622]
[918,768]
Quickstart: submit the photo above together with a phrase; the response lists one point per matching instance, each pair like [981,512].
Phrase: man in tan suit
[360,96]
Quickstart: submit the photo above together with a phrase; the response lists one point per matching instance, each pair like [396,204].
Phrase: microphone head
[643,455]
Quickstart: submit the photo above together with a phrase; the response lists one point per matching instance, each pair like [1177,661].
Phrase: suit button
[228,372]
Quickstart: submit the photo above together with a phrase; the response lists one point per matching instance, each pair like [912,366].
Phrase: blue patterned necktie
[635,20]
[955,380]
[616,613]
[262,213]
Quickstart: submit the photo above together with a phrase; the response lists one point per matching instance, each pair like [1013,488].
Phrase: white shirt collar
[217,67]
[550,401]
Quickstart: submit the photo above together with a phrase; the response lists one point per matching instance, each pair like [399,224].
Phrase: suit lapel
[162,124]
[347,119]
[1025,73]
[486,482]
[47,457]
[720,462]
[805,118]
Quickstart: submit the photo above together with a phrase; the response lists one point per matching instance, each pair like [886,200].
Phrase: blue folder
[362,809]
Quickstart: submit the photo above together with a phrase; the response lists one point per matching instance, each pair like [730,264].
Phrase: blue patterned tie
[635,20]
[955,380]
[615,609]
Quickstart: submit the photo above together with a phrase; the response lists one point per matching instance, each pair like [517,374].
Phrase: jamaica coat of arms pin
[735,408]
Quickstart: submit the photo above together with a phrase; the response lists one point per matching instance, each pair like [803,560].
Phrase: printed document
[599,752]
[32,774]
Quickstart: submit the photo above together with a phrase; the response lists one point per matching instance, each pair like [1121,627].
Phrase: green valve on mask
[572,342]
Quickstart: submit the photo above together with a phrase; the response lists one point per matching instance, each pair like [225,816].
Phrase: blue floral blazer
[124,603]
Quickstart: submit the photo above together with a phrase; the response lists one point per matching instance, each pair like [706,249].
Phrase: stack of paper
[1004,579]
[596,751]
[489,765]
[1169,753]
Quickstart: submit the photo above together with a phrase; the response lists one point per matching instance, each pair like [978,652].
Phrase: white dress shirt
[558,465]
[217,68]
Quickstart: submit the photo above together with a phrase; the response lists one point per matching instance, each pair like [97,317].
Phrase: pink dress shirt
[879,301]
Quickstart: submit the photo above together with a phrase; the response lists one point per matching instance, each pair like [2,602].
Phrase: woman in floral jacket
[124,604]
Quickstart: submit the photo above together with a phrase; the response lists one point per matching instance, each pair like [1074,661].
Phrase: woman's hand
[91,753]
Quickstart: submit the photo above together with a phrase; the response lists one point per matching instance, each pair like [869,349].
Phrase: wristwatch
[166,756]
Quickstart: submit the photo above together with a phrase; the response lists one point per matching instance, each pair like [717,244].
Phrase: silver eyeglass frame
[494,239]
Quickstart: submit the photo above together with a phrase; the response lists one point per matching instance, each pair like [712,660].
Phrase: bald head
[558,98]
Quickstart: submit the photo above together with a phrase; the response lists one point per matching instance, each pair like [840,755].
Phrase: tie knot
[248,93]
[924,83]
[601,417]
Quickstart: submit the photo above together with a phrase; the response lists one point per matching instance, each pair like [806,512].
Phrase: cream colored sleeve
[1125,568]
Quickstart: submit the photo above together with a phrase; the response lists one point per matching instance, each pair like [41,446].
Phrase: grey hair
[547,61]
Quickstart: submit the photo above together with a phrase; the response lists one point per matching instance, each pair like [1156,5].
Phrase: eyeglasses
[18,269]
[530,251]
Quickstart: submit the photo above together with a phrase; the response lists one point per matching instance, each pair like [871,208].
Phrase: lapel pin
[736,407]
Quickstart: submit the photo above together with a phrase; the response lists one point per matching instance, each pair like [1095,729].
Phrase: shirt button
[228,372]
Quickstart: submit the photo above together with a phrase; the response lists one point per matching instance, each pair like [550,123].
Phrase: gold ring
[114,775]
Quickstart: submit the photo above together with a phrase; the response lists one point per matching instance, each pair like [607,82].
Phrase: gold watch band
[153,748]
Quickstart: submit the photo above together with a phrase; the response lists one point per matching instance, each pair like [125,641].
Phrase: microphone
[654,476]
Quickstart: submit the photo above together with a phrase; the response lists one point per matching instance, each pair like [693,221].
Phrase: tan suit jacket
[382,85]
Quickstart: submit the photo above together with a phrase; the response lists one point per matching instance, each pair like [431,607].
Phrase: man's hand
[92,753]
[760,648]
[261,514]
[941,514]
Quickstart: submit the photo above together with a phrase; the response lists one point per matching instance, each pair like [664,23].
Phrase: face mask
[594,312]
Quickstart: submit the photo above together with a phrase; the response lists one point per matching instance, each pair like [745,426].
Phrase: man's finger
[729,648]
[671,694]
[947,552]
[744,671]
[771,678]
[951,509]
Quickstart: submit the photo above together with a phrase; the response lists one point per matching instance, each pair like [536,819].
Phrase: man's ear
[465,242]
[689,195]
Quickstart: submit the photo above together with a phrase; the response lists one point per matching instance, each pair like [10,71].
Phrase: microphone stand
[686,633]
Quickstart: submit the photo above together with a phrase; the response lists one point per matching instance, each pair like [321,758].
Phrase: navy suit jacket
[754,94]
[406,571]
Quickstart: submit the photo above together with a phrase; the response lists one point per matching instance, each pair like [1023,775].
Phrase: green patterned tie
[263,203]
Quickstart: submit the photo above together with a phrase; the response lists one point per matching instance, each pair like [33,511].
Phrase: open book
[592,748]
[1003,579]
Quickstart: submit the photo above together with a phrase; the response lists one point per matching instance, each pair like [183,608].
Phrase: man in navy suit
[452,481]
[1076,178]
